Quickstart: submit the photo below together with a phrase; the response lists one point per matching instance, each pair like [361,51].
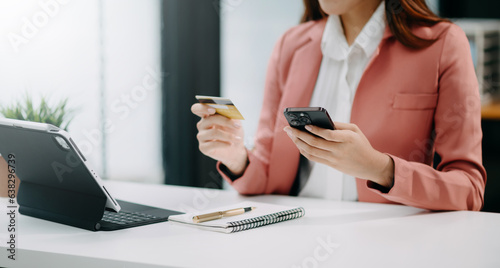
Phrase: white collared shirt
[340,72]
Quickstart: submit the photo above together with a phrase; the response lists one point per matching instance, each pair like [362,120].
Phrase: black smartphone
[299,117]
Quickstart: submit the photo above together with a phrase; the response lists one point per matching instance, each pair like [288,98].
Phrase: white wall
[133,71]
[433,5]
[59,54]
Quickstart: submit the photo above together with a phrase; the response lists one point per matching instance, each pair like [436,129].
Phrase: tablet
[48,156]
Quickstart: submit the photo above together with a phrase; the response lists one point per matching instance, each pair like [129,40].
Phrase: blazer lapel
[304,68]
[297,92]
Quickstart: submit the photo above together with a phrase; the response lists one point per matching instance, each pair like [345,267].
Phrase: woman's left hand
[346,149]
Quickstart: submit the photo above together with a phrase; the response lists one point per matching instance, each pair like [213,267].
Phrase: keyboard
[132,215]
[126,217]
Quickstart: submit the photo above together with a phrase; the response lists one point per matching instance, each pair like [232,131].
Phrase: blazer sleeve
[458,182]
[255,178]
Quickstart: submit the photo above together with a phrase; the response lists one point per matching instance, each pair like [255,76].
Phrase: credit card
[222,106]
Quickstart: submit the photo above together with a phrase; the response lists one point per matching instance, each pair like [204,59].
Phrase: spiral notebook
[264,214]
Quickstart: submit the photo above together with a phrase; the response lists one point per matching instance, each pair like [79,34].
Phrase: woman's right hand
[221,138]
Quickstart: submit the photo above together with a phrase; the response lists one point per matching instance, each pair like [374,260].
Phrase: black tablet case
[54,185]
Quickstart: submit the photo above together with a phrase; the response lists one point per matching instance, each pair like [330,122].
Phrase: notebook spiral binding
[242,225]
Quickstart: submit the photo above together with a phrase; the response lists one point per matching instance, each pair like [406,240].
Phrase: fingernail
[288,131]
[236,124]
[237,137]
[211,110]
[309,128]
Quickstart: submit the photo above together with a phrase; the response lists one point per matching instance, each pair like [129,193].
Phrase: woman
[400,85]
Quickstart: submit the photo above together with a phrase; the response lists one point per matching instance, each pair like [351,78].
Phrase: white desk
[368,235]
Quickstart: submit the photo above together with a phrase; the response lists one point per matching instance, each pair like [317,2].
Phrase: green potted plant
[58,115]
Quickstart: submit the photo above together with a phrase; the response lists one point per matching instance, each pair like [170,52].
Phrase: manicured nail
[211,110]
[309,128]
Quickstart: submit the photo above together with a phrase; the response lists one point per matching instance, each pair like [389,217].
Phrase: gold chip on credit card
[222,106]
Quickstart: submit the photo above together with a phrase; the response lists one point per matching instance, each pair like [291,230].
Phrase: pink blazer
[409,104]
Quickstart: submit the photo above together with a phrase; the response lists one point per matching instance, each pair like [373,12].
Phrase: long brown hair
[401,16]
